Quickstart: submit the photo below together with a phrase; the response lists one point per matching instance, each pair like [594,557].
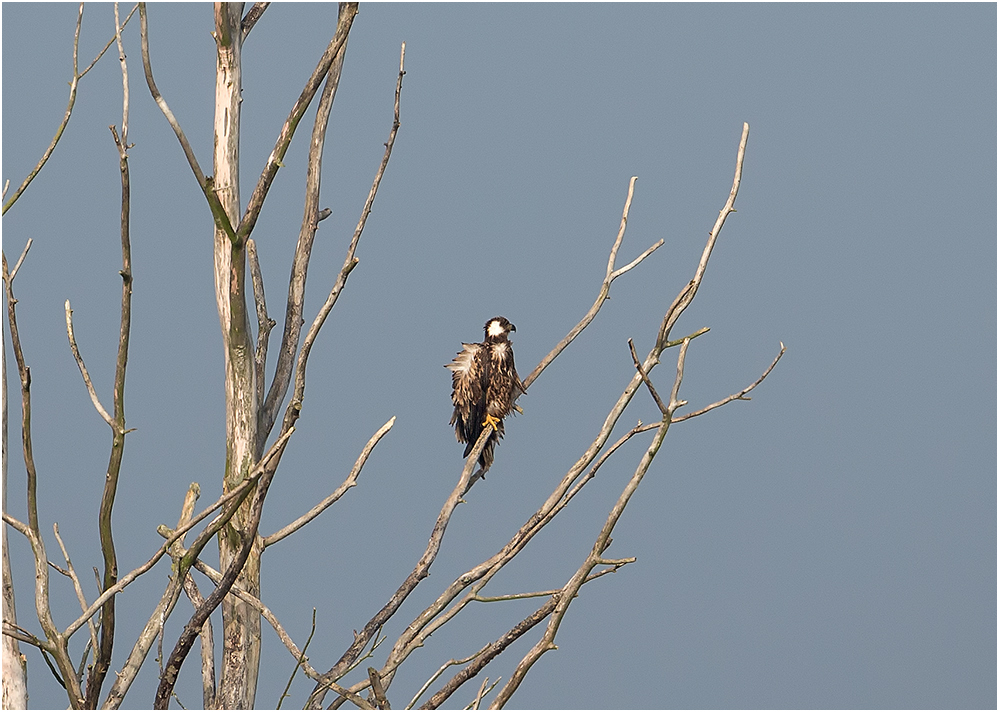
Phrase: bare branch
[264,322]
[420,572]
[226,499]
[346,18]
[571,589]
[206,184]
[77,76]
[251,17]
[65,119]
[484,689]
[110,42]
[267,466]
[57,643]
[231,500]
[614,566]
[303,253]
[686,295]
[301,660]
[83,368]
[207,645]
[611,275]
[24,253]
[71,573]
[291,413]
[378,690]
[645,378]
[440,671]
[124,80]
[12,630]
[351,481]
[741,395]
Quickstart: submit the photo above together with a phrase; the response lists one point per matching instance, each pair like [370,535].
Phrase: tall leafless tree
[254,408]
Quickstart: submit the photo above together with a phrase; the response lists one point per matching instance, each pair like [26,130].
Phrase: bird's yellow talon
[491,420]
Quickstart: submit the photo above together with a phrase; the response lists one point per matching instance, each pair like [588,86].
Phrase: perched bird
[485,388]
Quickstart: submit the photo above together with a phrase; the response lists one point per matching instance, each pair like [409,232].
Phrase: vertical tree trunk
[240,623]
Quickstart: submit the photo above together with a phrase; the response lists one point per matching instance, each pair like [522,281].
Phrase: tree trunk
[240,623]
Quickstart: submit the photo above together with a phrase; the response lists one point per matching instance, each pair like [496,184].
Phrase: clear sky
[831,543]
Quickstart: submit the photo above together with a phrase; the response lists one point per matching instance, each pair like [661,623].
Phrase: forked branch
[73,85]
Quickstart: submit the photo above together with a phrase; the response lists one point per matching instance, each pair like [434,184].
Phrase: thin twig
[24,253]
[124,78]
[614,566]
[73,84]
[291,413]
[83,368]
[645,378]
[71,573]
[441,670]
[301,660]
[351,481]
[605,286]
[741,395]
[482,691]
[110,42]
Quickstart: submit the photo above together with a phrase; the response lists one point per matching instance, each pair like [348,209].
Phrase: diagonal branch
[420,572]
[492,650]
[605,286]
[346,18]
[232,500]
[266,468]
[351,481]
[207,645]
[264,322]
[434,616]
[251,17]
[741,395]
[303,252]
[73,85]
[206,184]
[238,493]
[645,378]
[83,368]
[595,557]
[291,412]
[76,584]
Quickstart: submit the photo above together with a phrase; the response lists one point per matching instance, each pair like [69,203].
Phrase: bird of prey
[485,388]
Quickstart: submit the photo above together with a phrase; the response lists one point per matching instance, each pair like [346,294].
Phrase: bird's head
[498,328]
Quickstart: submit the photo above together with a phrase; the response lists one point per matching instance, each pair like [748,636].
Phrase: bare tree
[254,408]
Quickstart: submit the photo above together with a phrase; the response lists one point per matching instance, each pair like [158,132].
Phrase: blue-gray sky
[829,544]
